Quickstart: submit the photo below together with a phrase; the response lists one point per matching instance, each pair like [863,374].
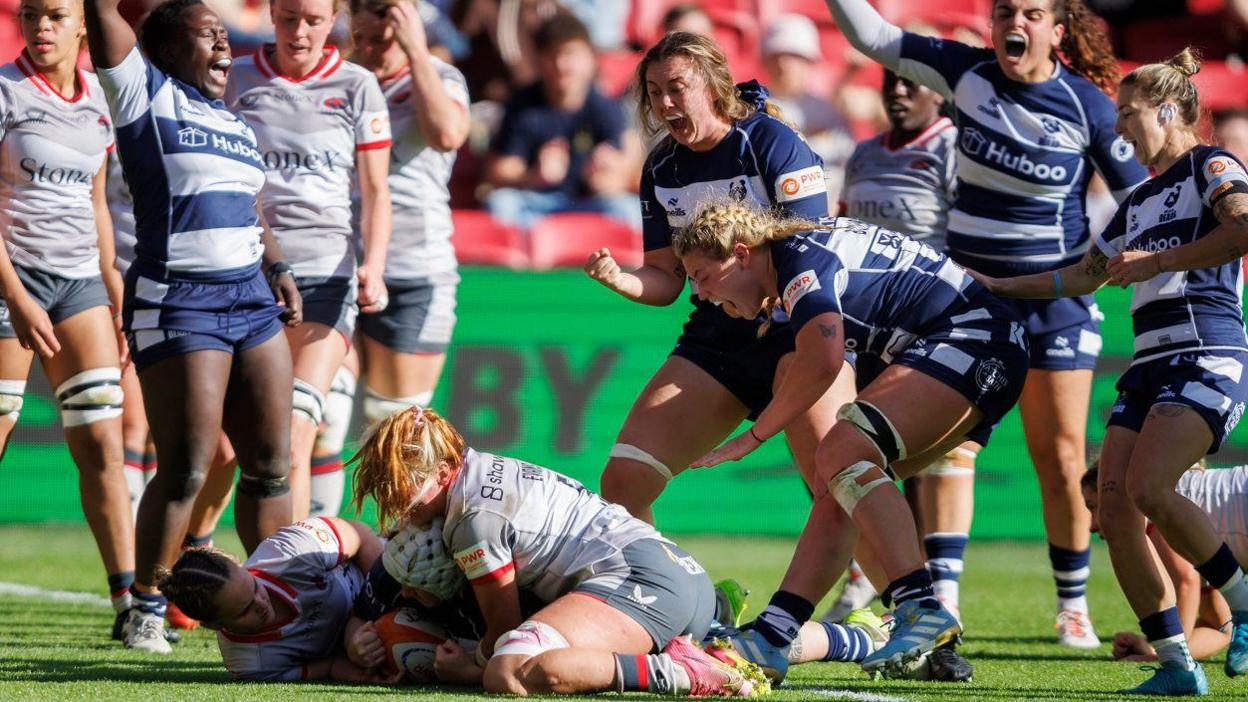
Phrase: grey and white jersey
[121,208]
[309,131]
[1222,493]
[420,241]
[51,148]
[504,514]
[908,189]
[304,566]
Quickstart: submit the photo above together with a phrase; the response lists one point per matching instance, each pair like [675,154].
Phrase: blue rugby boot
[751,646]
[917,629]
[1237,654]
[1171,681]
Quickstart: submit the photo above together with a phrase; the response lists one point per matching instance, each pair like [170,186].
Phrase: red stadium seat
[768,10]
[1157,39]
[566,240]
[736,32]
[1222,86]
[481,239]
[615,71]
[902,11]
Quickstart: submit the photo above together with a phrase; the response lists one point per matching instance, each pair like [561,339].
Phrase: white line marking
[858,696]
[56,595]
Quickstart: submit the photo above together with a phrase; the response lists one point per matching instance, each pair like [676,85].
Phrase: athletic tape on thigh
[308,401]
[261,487]
[90,396]
[635,454]
[845,487]
[378,407]
[529,639]
[868,419]
[947,465]
[11,392]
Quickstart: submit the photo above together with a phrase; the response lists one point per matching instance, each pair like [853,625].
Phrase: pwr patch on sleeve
[802,283]
[796,185]
[480,562]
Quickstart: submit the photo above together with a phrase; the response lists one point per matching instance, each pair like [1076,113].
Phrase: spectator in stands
[790,51]
[563,146]
[688,17]
[1230,130]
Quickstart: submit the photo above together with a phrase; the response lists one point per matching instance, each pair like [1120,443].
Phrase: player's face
[568,67]
[301,28]
[203,59]
[1138,124]
[910,107]
[430,499]
[1025,35]
[53,30]
[243,604]
[1089,500]
[683,103]
[372,37]
[729,284]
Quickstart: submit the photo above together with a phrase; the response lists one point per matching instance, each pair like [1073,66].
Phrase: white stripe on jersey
[1221,493]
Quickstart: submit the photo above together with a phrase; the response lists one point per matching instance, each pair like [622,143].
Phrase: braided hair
[195,580]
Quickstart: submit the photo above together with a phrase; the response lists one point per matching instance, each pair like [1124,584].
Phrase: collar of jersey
[330,61]
[41,83]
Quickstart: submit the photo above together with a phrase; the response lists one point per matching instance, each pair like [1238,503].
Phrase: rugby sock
[783,618]
[1223,572]
[845,643]
[149,602]
[656,673]
[328,484]
[915,586]
[119,589]
[1070,574]
[944,563]
[136,477]
[1165,634]
[200,541]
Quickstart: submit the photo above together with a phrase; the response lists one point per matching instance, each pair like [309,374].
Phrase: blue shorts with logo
[1209,382]
[175,314]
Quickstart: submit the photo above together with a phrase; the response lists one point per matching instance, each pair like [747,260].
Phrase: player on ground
[954,360]
[320,122]
[1032,126]
[720,141]
[56,269]
[201,318]
[1179,238]
[1223,495]
[280,615]
[623,600]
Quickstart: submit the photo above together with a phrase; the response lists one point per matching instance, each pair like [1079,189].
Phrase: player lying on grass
[280,614]
[624,601]
[1223,495]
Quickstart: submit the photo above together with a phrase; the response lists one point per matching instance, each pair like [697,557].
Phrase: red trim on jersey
[41,81]
[332,464]
[277,588]
[110,148]
[643,673]
[496,574]
[923,135]
[289,591]
[373,145]
[342,556]
[406,69]
[330,57]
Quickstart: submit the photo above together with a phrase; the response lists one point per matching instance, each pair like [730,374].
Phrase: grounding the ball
[411,644]
[416,557]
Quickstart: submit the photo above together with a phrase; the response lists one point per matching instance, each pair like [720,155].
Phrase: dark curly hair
[163,28]
[1085,46]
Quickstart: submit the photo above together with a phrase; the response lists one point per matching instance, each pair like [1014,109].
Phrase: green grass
[52,651]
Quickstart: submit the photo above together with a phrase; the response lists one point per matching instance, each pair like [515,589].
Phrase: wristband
[279,268]
[1057,284]
[755,435]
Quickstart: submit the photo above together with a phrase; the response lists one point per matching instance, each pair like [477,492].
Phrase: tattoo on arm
[1233,210]
[828,331]
[1094,263]
[1109,486]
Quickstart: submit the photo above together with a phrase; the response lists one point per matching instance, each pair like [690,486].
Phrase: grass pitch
[52,650]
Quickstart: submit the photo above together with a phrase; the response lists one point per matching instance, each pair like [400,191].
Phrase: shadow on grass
[947,691]
[143,669]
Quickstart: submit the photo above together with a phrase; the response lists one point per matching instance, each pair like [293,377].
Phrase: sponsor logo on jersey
[192,137]
[674,209]
[336,103]
[1121,150]
[376,124]
[974,143]
[1061,348]
[737,190]
[42,173]
[1173,197]
[1050,125]
[990,375]
[637,597]
[293,160]
[1221,164]
[473,560]
[1236,414]
[1161,244]
[802,283]
[796,185]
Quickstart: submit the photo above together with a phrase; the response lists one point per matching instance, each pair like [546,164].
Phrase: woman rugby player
[201,317]
[1031,127]
[1179,238]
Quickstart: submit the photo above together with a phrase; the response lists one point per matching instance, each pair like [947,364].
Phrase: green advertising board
[546,365]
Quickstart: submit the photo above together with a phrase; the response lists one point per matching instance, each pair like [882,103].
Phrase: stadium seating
[480,239]
[615,71]
[937,12]
[566,240]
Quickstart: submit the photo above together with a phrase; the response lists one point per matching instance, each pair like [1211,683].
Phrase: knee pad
[260,487]
[847,486]
[869,420]
[90,396]
[635,454]
[11,392]
[378,407]
[337,416]
[308,401]
[529,639]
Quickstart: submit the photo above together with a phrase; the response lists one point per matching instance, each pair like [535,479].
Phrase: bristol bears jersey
[504,514]
[193,168]
[908,189]
[420,243]
[121,209]
[888,288]
[303,565]
[1222,493]
[1187,310]
[1025,153]
[51,147]
[309,131]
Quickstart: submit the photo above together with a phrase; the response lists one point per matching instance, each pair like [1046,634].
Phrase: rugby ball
[411,643]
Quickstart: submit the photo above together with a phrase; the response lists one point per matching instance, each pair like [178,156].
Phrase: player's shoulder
[661,153]
[353,72]
[447,70]
[12,75]
[762,128]
[1095,103]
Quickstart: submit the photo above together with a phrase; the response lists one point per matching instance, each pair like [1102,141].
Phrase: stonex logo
[803,283]
[974,143]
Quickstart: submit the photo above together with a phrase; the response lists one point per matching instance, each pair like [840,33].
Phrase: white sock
[1074,604]
[1236,592]
[946,591]
[327,489]
[1174,651]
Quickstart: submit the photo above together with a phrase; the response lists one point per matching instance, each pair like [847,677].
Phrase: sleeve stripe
[373,145]
[496,574]
[330,523]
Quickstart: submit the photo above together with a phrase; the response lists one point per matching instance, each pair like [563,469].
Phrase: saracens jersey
[121,209]
[304,566]
[888,288]
[504,514]
[1184,311]
[420,242]
[309,131]
[908,188]
[51,147]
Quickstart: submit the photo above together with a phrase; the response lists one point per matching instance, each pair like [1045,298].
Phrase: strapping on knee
[633,453]
[852,484]
[261,487]
[378,407]
[91,396]
[868,419]
[948,464]
[336,419]
[11,392]
[532,638]
[308,401]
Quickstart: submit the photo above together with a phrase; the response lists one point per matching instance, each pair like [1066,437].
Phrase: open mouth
[678,123]
[220,69]
[1015,44]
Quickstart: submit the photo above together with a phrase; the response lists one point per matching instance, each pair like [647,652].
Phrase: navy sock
[1164,632]
[197,541]
[1070,574]
[782,619]
[149,602]
[1219,569]
[119,582]
[846,643]
[915,586]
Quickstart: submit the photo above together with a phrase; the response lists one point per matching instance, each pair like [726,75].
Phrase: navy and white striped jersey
[1194,310]
[1025,154]
[193,169]
[888,288]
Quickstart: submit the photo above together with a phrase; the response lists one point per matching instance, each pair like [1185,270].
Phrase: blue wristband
[1057,284]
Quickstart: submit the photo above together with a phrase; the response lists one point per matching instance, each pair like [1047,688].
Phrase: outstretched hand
[734,450]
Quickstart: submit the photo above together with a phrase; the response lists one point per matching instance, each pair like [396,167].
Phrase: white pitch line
[55,595]
[858,696]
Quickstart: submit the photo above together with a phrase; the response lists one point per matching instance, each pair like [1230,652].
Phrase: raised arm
[867,31]
[109,37]
[443,117]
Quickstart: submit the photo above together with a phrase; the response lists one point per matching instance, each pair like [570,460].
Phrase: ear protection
[1166,112]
